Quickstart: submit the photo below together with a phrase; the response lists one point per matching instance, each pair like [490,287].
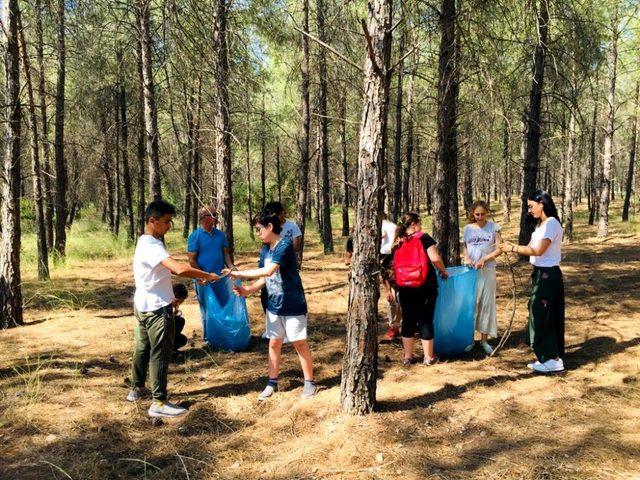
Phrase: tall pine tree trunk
[360,363]
[61,165]
[41,234]
[117,198]
[327,233]
[532,154]
[247,154]
[222,121]
[397,147]
[302,202]
[10,284]
[506,170]
[149,97]
[607,160]
[124,147]
[632,156]
[345,163]
[445,221]
[568,176]
[141,150]
[406,178]
[46,152]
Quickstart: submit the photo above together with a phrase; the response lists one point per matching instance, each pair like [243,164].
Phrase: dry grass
[63,413]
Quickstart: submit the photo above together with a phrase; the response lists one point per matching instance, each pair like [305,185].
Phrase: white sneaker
[159,408]
[486,347]
[267,393]
[533,365]
[550,366]
[136,393]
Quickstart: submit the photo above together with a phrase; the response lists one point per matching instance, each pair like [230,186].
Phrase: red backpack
[410,264]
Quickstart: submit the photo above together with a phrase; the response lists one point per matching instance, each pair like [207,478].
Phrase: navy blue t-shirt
[284,288]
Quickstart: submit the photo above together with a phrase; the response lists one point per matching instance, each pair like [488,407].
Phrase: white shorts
[294,327]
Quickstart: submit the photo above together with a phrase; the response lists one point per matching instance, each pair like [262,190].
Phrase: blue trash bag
[225,320]
[455,309]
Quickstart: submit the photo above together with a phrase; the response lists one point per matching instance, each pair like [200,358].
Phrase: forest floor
[63,413]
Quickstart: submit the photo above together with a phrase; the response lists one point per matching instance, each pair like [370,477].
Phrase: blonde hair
[472,208]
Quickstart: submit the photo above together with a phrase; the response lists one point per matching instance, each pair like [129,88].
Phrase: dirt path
[64,415]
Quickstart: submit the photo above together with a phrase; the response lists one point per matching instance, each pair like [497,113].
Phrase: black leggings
[418,306]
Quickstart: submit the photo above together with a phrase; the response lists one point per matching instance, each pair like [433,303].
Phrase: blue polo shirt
[208,246]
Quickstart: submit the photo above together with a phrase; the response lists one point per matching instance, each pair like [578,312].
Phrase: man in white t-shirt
[394,314]
[290,229]
[155,328]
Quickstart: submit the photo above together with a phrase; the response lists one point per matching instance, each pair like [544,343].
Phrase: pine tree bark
[568,178]
[141,150]
[116,167]
[406,177]
[61,165]
[222,121]
[44,140]
[397,150]
[327,232]
[360,364]
[532,154]
[607,160]
[635,126]
[263,156]
[445,221]
[247,155]
[345,164]
[196,187]
[41,234]
[305,130]
[124,147]
[506,170]
[10,283]
[278,173]
[149,96]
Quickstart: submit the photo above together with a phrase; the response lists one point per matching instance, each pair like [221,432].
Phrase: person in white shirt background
[394,313]
[545,329]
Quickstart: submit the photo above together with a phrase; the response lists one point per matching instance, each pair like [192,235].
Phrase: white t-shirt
[552,230]
[290,230]
[153,280]
[388,235]
[481,241]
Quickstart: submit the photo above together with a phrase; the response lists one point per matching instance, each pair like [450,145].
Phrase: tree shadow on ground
[124,450]
[590,351]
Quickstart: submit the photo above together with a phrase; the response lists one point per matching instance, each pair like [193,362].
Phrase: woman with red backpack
[415,258]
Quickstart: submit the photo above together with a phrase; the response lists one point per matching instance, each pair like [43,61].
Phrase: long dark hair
[401,231]
[549,208]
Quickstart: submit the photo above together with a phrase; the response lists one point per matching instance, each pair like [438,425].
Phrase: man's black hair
[158,209]
[180,291]
[267,217]
[275,207]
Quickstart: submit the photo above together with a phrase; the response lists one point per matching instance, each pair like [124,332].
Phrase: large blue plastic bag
[225,320]
[455,309]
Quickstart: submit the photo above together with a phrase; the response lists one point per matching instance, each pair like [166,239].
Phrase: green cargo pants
[153,336]
[545,330]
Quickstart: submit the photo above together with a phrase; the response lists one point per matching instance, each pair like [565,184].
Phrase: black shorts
[418,307]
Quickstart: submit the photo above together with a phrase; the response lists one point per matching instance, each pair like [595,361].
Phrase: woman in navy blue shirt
[286,307]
